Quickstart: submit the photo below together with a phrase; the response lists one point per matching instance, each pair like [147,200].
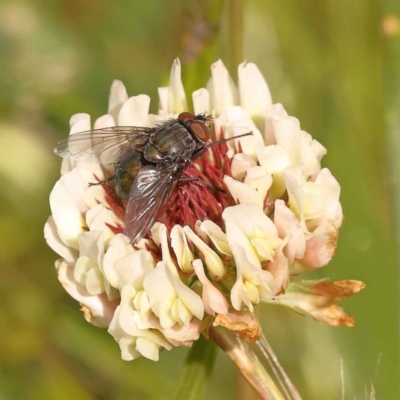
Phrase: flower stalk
[248,364]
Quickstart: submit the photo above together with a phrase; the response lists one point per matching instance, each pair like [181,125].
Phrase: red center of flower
[201,193]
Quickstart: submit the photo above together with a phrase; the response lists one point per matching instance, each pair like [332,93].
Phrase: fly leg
[101,182]
[199,180]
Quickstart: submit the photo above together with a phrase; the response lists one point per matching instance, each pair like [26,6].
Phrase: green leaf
[197,370]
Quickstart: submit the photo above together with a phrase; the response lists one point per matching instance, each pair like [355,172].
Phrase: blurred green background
[330,64]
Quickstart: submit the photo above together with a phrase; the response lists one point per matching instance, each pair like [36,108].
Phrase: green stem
[196,372]
[236,25]
[247,363]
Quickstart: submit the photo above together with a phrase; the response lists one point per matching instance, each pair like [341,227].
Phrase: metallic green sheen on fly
[147,162]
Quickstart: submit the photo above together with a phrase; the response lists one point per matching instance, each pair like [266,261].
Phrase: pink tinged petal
[223,92]
[67,208]
[176,93]
[165,288]
[254,92]
[181,249]
[118,248]
[98,218]
[105,121]
[330,194]
[101,310]
[201,101]
[279,268]
[56,244]
[320,248]
[214,301]
[288,226]
[183,335]
[271,111]
[118,96]
[241,162]
[243,193]
[215,267]
[135,111]
[217,236]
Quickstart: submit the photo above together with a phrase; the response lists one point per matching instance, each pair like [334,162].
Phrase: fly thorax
[170,142]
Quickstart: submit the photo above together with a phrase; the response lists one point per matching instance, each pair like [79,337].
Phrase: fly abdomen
[126,173]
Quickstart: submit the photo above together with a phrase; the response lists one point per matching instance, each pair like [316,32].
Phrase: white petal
[98,217]
[132,268]
[241,162]
[78,123]
[271,111]
[223,92]
[217,236]
[118,247]
[66,208]
[176,93]
[163,104]
[181,248]
[163,288]
[243,193]
[201,101]
[254,91]
[287,134]
[105,121]
[118,96]
[259,180]
[54,241]
[214,264]
[248,144]
[135,111]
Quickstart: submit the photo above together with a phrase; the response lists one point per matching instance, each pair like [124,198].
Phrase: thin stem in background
[280,374]
[391,73]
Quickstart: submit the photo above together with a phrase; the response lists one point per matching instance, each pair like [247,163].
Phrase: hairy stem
[247,363]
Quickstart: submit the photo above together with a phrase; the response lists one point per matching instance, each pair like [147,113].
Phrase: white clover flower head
[217,250]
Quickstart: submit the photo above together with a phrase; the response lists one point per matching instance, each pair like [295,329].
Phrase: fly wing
[104,146]
[148,195]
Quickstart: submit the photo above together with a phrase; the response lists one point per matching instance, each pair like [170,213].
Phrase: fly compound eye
[200,130]
[186,117]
